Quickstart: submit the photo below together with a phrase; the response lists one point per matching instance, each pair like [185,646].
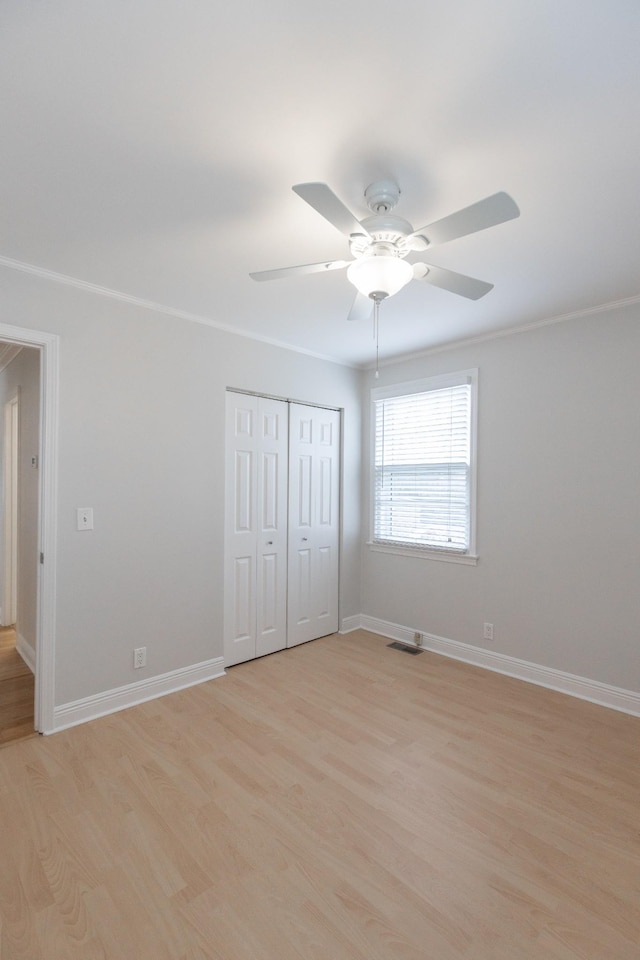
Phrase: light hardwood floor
[338,801]
[16,690]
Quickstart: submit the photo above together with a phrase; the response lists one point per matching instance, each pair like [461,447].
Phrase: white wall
[141,441]
[558,504]
[23,375]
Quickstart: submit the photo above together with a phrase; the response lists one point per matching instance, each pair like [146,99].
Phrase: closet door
[314,493]
[256,527]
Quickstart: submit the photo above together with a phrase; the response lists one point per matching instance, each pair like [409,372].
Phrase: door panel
[270,491]
[243,599]
[325,566]
[314,470]
[240,529]
[304,491]
[324,492]
[268,614]
[300,597]
[244,491]
[256,520]
[271,587]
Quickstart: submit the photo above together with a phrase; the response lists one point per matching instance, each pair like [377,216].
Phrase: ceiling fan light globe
[382,276]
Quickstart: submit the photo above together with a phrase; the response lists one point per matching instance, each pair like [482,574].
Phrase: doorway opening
[29,551]
[10,528]
[17,654]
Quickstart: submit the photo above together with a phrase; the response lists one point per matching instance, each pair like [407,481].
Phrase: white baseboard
[627,701]
[26,651]
[101,704]
[351,623]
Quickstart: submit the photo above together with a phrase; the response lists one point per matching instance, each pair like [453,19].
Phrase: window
[423,477]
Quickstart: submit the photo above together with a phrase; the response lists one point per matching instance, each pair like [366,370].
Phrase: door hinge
[42,558]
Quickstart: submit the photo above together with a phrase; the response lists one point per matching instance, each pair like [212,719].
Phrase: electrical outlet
[417,638]
[139,657]
[488,631]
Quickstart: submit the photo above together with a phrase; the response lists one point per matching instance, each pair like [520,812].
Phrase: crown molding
[43,274]
[507,332]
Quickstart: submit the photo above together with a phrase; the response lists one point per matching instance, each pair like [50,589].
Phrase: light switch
[85,518]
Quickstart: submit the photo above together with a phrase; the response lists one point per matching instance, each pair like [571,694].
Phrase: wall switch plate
[85,518]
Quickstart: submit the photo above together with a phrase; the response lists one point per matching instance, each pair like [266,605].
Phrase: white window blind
[422,473]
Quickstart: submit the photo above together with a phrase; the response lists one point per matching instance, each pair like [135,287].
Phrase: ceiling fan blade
[489,212]
[283,272]
[324,201]
[360,308]
[467,287]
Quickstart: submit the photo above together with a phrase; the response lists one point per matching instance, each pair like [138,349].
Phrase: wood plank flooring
[337,801]
[16,690]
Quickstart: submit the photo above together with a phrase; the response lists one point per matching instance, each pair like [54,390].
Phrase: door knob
[305,538]
[269,542]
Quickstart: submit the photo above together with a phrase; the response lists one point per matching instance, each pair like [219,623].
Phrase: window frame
[406,389]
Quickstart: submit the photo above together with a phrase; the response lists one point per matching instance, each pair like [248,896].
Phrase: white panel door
[314,494]
[255,527]
[271,553]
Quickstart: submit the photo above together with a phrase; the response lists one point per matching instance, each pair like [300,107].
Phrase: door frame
[49,344]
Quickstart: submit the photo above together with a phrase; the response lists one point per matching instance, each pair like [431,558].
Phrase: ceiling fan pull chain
[376,330]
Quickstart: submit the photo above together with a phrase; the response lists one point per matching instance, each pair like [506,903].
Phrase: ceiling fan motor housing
[382,228]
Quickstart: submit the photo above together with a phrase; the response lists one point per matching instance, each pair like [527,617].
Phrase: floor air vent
[406,649]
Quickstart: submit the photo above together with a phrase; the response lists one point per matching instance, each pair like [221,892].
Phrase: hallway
[16,691]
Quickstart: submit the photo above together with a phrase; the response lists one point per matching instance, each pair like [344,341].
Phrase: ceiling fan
[384,246]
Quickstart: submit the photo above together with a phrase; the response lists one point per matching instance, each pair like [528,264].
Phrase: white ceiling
[149,147]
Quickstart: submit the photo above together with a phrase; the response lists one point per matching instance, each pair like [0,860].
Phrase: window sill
[444,556]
